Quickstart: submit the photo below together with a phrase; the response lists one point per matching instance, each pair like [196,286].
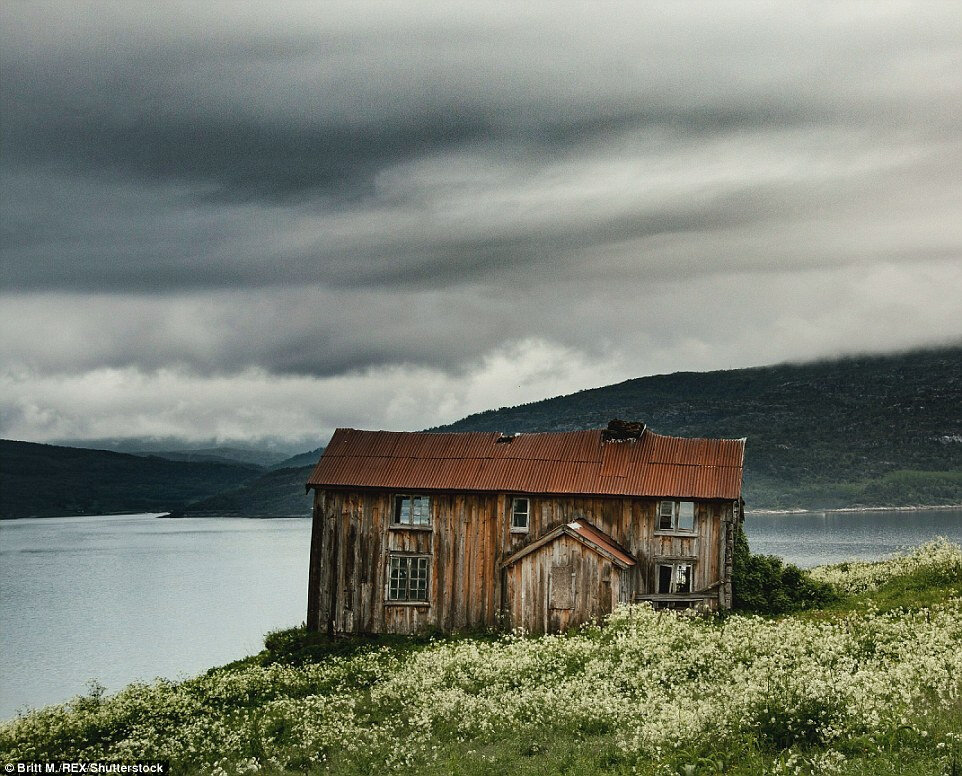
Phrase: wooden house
[544,531]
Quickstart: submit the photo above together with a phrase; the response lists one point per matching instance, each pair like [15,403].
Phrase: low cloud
[200,200]
[255,406]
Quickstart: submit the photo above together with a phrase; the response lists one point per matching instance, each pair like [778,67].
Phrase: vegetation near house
[765,584]
[870,684]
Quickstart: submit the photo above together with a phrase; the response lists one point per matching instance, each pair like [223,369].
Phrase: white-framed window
[676,516]
[674,577]
[408,577]
[412,510]
[520,513]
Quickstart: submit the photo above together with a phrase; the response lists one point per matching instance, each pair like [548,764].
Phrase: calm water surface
[132,597]
[812,539]
[123,598]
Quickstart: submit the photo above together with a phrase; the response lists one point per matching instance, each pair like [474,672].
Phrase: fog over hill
[866,431]
[871,431]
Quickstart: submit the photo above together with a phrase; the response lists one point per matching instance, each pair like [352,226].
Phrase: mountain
[863,431]
[301,459]
[278,493]
[48,480]
[177,450]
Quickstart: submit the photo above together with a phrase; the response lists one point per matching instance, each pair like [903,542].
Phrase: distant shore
[208,515]
[842,510]
[790,511]
[163,515]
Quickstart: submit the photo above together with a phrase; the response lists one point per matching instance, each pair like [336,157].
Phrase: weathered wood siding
[560,586]
[469,536]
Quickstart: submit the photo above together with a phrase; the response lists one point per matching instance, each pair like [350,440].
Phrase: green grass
[870,683]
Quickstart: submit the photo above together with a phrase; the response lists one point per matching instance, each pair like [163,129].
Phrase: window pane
[402,578]
[412,510]
[421,510]
[686,516]
[519,513]
[664,579]
[666,515]
[408,579]
[683,578]
[402,510]
[394,585]
[419,579]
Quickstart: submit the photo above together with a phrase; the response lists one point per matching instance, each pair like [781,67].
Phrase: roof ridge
[550,462]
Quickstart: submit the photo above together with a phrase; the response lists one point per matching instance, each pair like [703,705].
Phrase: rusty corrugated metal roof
[598,537]
[572,462]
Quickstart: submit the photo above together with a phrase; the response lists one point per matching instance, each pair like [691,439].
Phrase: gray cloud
[352,189]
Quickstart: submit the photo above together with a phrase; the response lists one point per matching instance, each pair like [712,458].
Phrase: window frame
[660,514]
[407,560]
[410,525]
[512,500]
[674,565]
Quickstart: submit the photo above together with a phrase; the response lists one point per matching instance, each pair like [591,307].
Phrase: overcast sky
[251,221]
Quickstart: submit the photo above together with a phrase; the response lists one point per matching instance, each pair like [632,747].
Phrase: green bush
[297,646]
[765,584]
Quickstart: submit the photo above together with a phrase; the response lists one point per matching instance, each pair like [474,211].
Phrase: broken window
[520,510]
[674,577]
[676,516]
[412,510]
[408,578]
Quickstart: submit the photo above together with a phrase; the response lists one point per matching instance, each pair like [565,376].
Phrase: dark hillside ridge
[301,459]
[178,450]
[861,431]
[866,431]
[278,493]
[47,481]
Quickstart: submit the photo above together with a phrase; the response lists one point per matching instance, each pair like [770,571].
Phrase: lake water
[134,597]
[123,598]
[830,537]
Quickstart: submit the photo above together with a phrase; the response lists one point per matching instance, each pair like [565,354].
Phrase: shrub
[765,584]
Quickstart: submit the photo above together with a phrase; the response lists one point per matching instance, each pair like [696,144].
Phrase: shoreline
[846,510]
[156,515]
[788,511]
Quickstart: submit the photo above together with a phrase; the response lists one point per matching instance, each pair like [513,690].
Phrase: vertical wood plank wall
[469,536]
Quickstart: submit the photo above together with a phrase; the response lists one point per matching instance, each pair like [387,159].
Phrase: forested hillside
[870,431]
[47,480]
[867,431]
[278,493]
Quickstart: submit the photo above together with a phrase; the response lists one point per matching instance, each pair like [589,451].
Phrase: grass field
[870,684]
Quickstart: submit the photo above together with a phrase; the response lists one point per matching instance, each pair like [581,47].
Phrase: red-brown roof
[571,462]
[584,532]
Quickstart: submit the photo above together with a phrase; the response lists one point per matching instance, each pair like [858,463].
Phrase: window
[676,516]
[412,510]
[674,577]
[408,578]
[520,509]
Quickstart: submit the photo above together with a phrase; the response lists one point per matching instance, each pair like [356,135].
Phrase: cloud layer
[208,208]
